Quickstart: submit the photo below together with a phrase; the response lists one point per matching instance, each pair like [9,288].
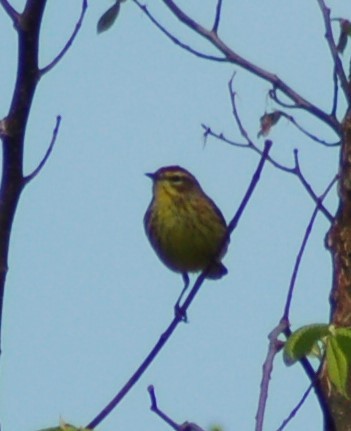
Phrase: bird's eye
[176,179]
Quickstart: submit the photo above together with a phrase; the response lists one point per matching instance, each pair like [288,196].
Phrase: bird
[184,226]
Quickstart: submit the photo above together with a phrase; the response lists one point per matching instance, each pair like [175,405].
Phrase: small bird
[184,226]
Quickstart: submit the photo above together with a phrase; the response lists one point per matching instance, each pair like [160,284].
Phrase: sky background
[86,297]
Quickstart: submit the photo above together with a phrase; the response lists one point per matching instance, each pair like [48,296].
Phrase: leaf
[267,121]
[303,342]
[108,18]
[339,361]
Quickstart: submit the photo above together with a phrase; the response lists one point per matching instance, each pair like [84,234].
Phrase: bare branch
[235,58]
[274,347]
[183,309]
[217,17]
[335,93]
[296,170]
[11,11]
[154,407]
[334,51]
[176,40]
[308,231]
[296,409]
[68,44]
[310,135]
[36,171]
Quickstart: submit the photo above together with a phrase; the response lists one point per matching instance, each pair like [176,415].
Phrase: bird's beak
[150,175]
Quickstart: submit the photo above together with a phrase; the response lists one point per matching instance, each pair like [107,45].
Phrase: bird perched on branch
[184,226]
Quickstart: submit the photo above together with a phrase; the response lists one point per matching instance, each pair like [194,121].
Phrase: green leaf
[339,359]
[108,18]
[303,342]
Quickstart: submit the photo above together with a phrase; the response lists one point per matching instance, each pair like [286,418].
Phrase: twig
[296,408]
[296,170]
[36,171]
[307,133]
[335,93]
[11,11]
[69,42]
[183,309]
[174,39]
[160,413]
[308,231]
[283,326]
[218,16]
[235,58]
[274,347]
[298,173]
[333,50]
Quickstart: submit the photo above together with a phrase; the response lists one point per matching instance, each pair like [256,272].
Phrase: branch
[295,409]
[11,11]
[68,43]
[296,170]
[235,58]
[218,16]
[160,413]
[274,347]
[174,39]
[308,231]
[283,327]
[36,171]
[334,52]
[183,309]
[308,134]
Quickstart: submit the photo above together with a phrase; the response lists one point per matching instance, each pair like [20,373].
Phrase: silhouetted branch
[160,413]
[174,39]
[283,327]
[36,171]
[307,133]
[285,316]
[334,52]
[335,93]
[218,16]
[295,409]
[274,347]
[11,11]
[183,309]
[235,58]
[68,44]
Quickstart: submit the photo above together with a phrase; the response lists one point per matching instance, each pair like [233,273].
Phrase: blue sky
[86,297]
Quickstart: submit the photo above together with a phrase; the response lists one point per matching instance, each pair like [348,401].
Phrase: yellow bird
[184,226]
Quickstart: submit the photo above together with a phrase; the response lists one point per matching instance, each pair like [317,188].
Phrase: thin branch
[217,17]
[308,231]
[235,58]
[283,327]
[296,170]
[334,52]
[309,189]
[296,408]
[307,133]
[69,42]
[36,171]
[11,11]
[335,93]
[183,309]
[174,39]
[274,347]
[160,413]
